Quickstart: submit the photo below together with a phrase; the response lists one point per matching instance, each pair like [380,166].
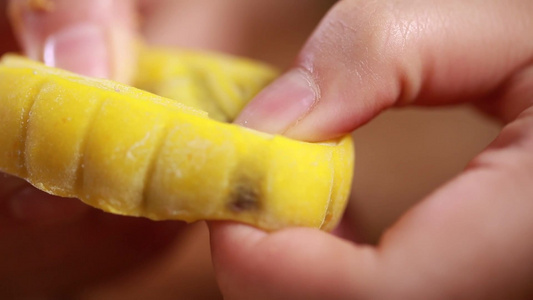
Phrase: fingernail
[280,105]
[30,204]
[81,48]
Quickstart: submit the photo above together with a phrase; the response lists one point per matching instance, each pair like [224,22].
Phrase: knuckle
[364,28]
[368,43]
[364,37]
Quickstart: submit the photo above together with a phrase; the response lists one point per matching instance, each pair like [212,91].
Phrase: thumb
[294,263]
[366,56]
[90,37]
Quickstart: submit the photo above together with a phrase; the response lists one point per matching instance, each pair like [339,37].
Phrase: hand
[466,240]
[56,247]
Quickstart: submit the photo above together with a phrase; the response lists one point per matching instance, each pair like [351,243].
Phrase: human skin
[468,239]
[53,247]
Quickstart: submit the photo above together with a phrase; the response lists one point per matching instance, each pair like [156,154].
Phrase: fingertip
[293,106]
[81,48]
[294,263]
[282,104]
[92,38]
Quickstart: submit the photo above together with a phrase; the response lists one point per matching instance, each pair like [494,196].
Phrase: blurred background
[401,156]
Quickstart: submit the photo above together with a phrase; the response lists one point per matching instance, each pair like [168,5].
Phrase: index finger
[466,240]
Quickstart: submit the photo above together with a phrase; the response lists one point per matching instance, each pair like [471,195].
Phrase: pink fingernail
[30,204]
[81,49]
[281,105]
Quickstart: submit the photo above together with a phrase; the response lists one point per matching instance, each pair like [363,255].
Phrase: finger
[20,204]
[94,38]
[294,263]
[468,240]
[465,241]
[53,247]
[366,56]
